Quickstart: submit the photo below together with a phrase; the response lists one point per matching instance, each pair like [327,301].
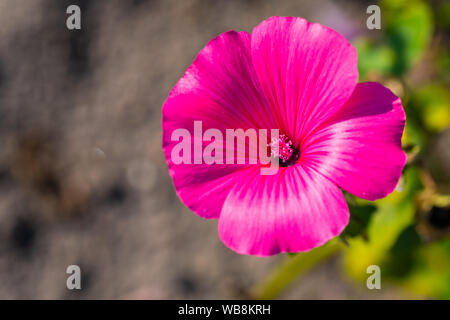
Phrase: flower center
[283,149]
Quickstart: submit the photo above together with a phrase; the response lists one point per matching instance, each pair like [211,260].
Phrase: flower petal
[294,210]
[360,148]
[218,89]
[306,71]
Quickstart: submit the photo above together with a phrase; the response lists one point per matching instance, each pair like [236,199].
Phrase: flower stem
[292,267]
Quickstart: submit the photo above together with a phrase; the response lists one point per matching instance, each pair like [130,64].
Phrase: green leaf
[402,254]
[359,220]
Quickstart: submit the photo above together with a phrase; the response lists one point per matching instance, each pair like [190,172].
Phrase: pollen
[283,149]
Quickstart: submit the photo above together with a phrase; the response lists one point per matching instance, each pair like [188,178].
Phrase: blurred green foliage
[433,106]
[408,27]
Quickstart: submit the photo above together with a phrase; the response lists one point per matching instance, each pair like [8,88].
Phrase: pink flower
[300,78]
